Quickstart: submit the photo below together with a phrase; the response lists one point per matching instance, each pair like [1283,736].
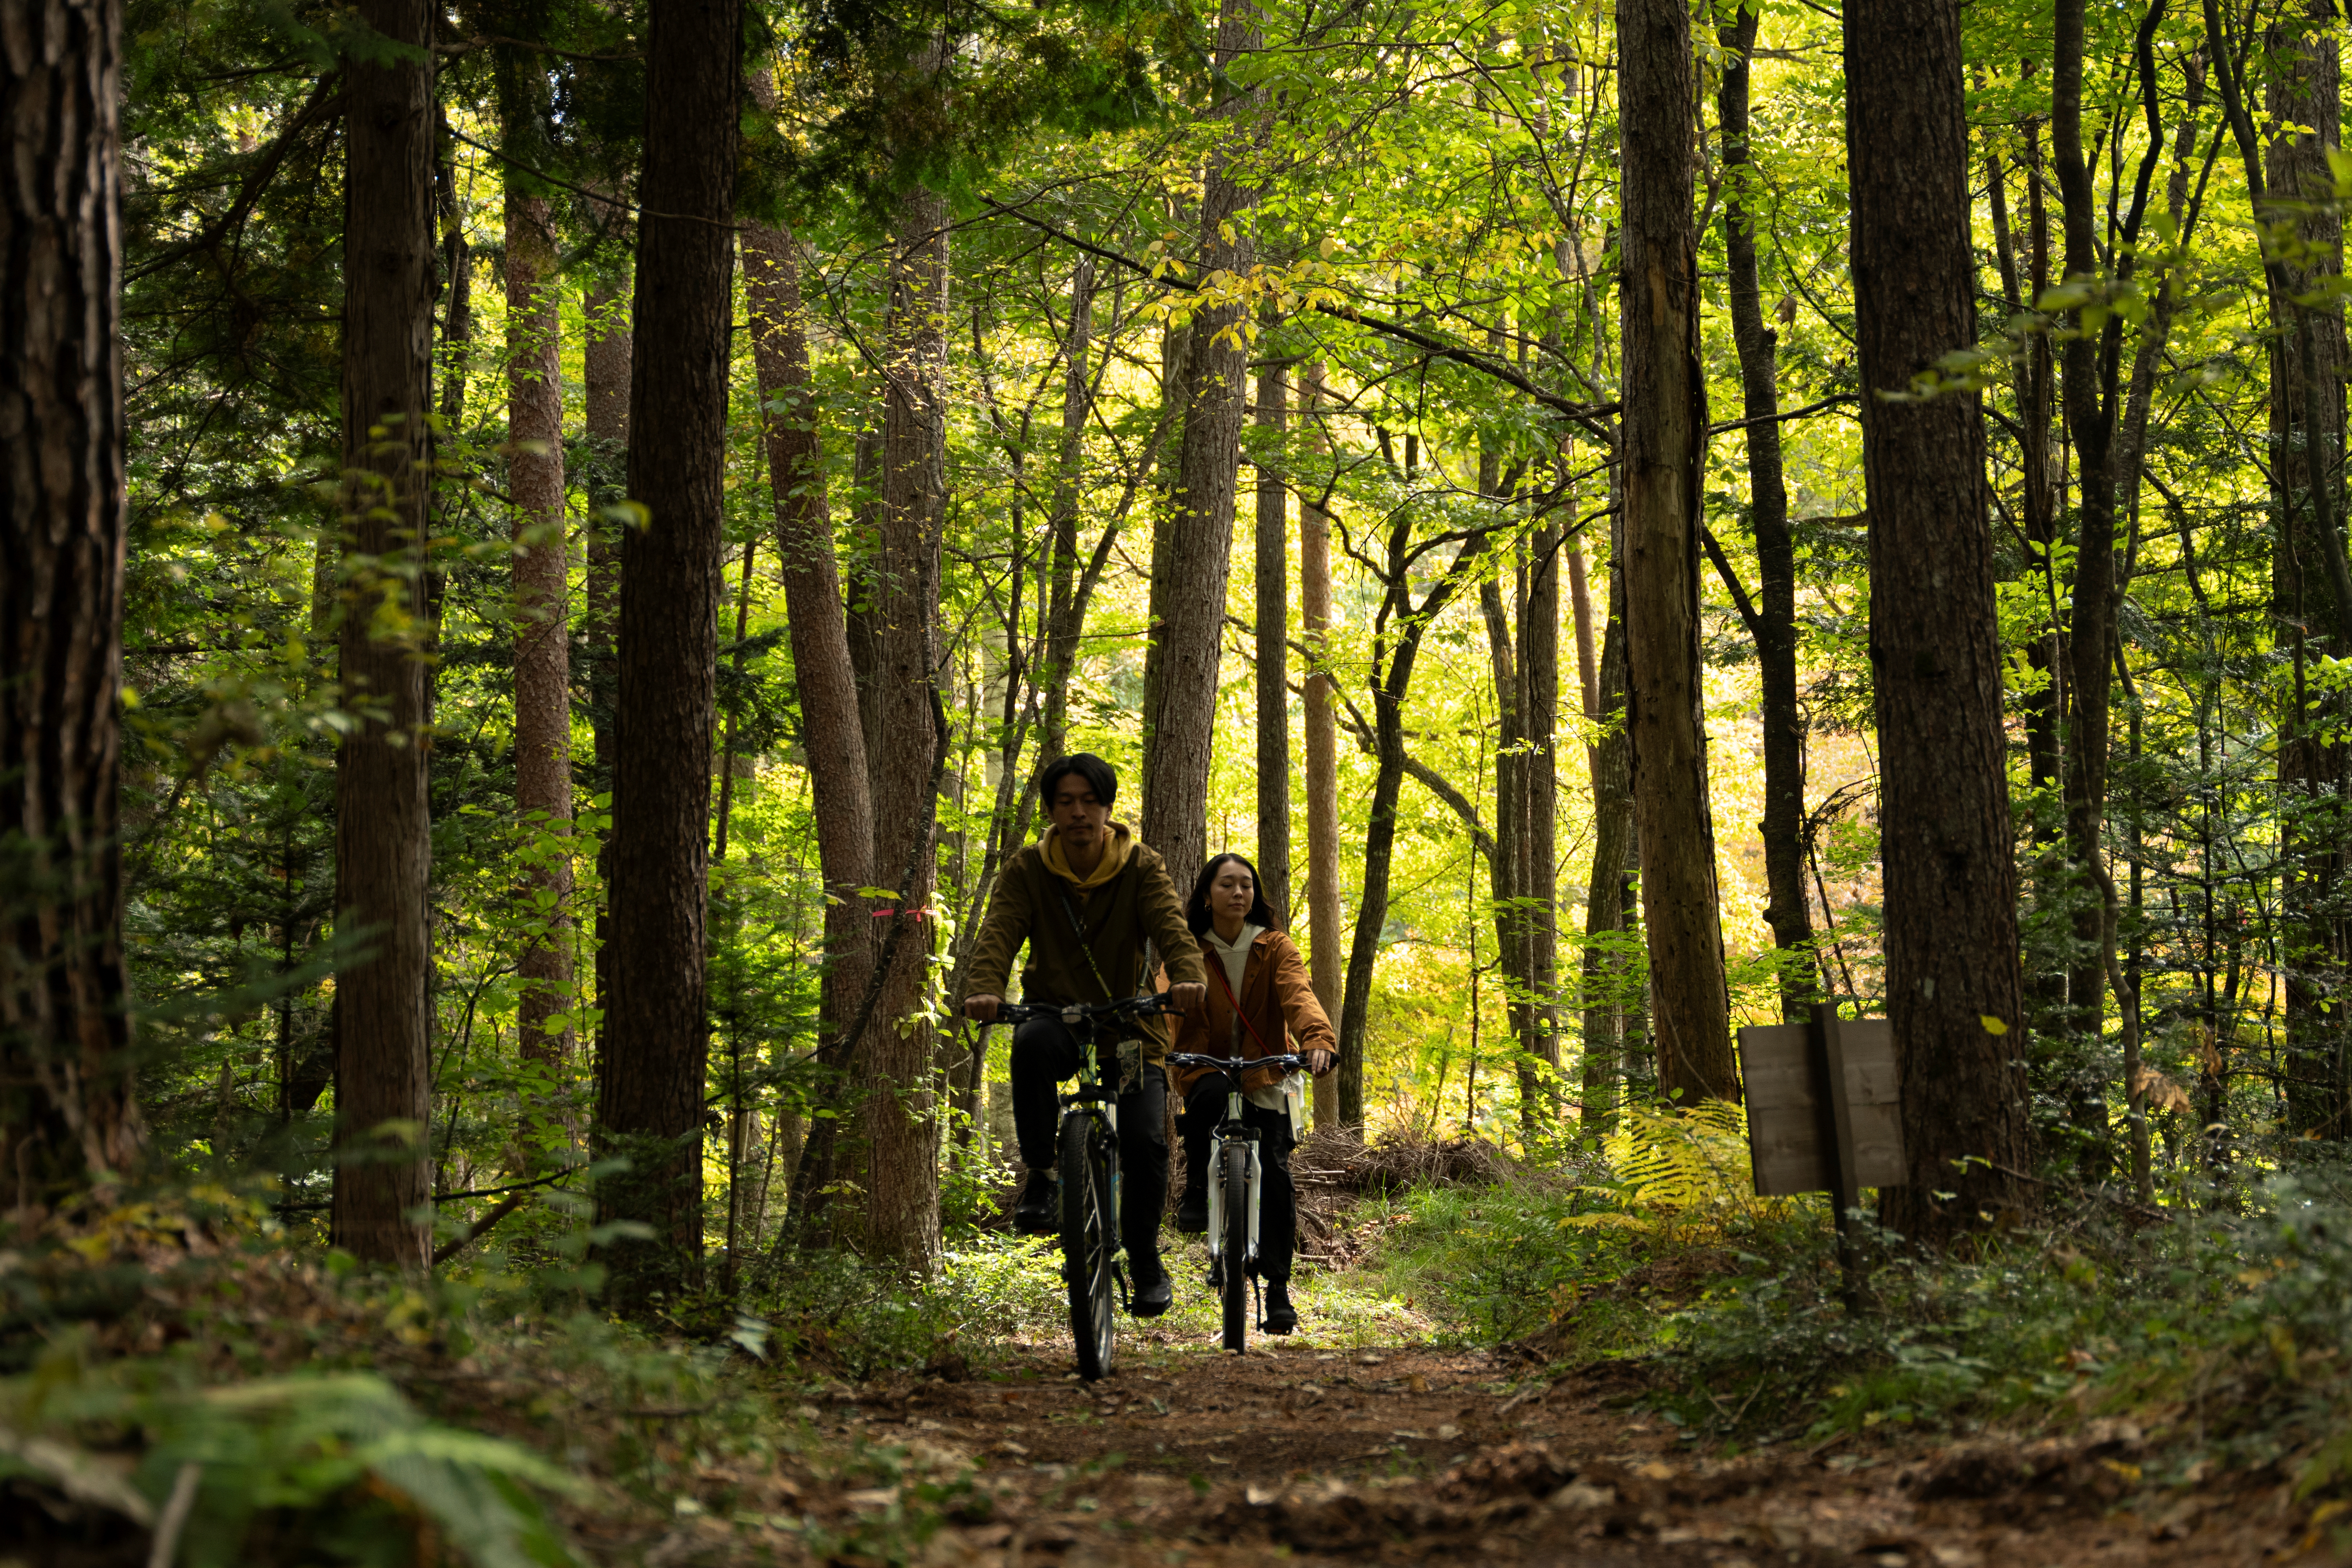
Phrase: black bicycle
[1088,1149]
[1237,1176]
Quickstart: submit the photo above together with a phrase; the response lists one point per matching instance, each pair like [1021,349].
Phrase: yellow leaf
[1992,1025]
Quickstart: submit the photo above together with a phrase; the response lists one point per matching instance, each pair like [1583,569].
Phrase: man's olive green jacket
[1133,905]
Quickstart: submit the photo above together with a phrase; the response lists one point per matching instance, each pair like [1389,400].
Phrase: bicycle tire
[1234,1290]
[1089,1246]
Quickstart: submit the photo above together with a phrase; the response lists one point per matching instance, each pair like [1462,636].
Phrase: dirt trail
[1412,1454]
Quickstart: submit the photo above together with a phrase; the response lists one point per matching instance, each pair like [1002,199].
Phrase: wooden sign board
[1797,1128]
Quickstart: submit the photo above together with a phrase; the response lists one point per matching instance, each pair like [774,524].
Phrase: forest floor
[1373,1437]
[1407,1453]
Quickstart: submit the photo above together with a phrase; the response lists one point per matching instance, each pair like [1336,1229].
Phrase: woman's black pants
[1278,1203]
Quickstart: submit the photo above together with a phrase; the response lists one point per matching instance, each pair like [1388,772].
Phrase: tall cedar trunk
[1064,612]
[1612,762]
[1538,612]
[543,629]
[833,734]
[1787,909]
[1326,961]
[1192,550]
[67,1110]
[650,1101]
[2307,412]
[382,833]
[1665,422]
[1950,934]
[604,363]
[896,1130]
[1273,651]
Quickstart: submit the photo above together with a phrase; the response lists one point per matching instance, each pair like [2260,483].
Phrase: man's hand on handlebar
[1187,998]
[982,1009]
[1319,1062]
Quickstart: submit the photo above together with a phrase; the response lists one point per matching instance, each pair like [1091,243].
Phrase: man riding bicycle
[1091,903]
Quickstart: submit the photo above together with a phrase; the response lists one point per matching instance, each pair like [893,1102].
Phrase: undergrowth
[2221,1329]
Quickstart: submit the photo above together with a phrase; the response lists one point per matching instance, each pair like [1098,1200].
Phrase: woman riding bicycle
[1258,991]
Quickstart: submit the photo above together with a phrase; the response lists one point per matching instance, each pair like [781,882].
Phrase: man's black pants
[1277,1199]
[1045,1054]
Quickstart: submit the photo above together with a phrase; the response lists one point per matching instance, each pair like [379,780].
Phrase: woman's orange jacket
[1277,997]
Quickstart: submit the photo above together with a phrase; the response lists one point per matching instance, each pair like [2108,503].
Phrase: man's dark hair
[1196,913]
[1086,765]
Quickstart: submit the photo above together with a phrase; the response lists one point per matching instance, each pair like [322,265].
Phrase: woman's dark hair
[1196,912]
[1087,767]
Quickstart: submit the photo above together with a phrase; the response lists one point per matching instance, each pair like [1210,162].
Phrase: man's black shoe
[1193,1212]
[1281,1317]
[1034,1214]
[1153,1293]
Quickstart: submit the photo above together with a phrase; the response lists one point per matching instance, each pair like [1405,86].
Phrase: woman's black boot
[1281,1317]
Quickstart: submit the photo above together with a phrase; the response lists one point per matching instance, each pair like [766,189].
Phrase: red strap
[1217,967]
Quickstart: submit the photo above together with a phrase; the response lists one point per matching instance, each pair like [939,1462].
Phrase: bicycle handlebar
[1289,1062]
[1138,1007]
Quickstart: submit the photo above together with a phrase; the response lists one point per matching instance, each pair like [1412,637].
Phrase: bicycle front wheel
[1089,1240]
[1234,1244]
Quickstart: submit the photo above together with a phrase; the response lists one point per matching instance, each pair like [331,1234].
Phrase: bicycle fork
[1217,1200]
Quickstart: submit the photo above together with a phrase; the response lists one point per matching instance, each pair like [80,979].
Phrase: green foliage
[333,1468]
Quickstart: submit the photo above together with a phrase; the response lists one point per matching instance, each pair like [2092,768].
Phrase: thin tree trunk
[1950,935]
[1539,885]
[604,361]
[1325,962]
[542,630]
[1192,550]
[832,732]
[1612,762]
[69,1112]
[1396,648]
[1273,652]
[895,1125]
[650,1104]
[1787,908]
[1664,421]
[1507,865]
[1064,609]
[383,831]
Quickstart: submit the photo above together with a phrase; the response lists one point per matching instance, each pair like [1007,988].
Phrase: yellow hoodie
[1114,858]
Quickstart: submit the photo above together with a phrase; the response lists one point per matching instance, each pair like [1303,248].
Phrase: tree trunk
[68,1114]
[1612,762]
[1273,651]
[1064,609]
[1507,865]
[2087,379]
[650,1102]
[542,630]
[895,1126]
[605,360]
[2306,418]
[1396,646]
[1538,613]
[383,832]
[1664,421]
[833,733]
[1787,908]
[1325,961]
[1951,887]
[1192,552]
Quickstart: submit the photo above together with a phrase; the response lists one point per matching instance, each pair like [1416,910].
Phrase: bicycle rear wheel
[1089,1241]
[1234,1243]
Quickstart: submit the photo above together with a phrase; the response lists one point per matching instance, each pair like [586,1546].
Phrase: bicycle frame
[1233,1129]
